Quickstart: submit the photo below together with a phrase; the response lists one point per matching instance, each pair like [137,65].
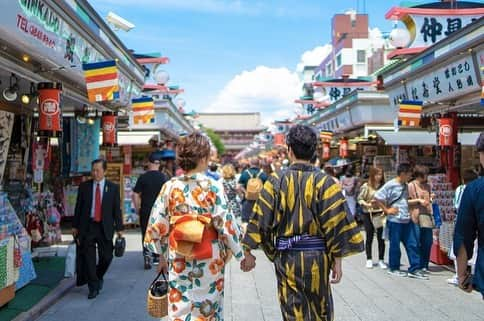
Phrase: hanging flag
[409,113]
[143,110]
[101,81]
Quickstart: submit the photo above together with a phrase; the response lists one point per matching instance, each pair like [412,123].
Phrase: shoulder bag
[425,220]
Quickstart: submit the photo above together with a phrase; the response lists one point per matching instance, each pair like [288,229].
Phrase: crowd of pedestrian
[196,214]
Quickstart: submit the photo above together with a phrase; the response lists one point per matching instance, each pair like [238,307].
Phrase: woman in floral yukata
[195,233]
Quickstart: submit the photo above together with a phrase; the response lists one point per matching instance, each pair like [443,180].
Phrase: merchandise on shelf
[130,216]
[43,224]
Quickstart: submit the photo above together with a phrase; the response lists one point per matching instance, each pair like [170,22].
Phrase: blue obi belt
[303,242]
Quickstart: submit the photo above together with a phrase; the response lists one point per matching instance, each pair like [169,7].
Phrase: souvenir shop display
[386,163]
[443,197]
[43,223]
[16,268]
[6,126]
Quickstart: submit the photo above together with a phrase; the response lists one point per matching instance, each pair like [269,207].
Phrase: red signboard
[343,148]
[109,122]
[446,132]
[279,139]
[49,109]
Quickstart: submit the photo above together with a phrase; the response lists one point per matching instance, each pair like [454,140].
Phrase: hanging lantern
[343,148]
[109,122]
[326,151]
[49,109]
[446,132]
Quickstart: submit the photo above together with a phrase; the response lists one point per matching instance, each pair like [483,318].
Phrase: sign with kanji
[340,91]
[453,80]
[426,30]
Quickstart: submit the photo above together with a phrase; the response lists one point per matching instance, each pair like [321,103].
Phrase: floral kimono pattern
[196,286]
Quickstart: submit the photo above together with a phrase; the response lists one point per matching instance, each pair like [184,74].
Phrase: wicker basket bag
[157,300]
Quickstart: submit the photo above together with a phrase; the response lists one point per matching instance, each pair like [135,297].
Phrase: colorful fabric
[3,265]
[195,286]
[143,110]
[303,201]
[101,81]
[84,145]
[230,187]
[325,136]
[409,113]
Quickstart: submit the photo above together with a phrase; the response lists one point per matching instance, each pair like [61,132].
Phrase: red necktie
[97,205]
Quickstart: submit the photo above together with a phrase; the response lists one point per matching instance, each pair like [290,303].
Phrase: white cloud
[271,91]
[314,57]
[376,38]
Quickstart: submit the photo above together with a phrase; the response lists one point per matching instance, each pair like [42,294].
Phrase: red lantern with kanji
[343,148]
[49,109]
[326,151]
[109,122]
[446,132]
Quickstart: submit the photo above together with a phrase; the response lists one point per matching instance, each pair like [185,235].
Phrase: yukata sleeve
[156,239]
[466,226]
[259,230]
[229,229]
[341,233]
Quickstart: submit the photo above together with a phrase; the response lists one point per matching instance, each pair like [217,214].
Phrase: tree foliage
[216,140]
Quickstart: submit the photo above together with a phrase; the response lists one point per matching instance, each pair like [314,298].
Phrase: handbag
[426,220]
[378,220]
[119,246]
[157,299]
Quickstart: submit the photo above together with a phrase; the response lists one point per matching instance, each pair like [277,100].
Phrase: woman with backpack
[251,181]
[230,187]
[373,217]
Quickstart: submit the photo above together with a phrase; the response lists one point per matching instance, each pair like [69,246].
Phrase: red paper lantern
[326,151]
[446,132]
[109,122]
[49,109]
[279,139]
[343,148]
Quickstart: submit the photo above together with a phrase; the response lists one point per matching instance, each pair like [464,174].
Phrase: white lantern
[180,103]
[399,38]
[162,77]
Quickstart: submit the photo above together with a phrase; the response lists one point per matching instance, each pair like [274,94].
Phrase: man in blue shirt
[470,224]
[393,199]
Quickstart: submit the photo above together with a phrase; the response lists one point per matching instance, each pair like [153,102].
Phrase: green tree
[216,140]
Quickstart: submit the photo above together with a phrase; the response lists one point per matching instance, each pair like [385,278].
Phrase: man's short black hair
[100,160]
[404,168]
[302,140]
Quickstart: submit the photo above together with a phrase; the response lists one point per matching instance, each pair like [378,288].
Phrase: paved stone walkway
[366,295]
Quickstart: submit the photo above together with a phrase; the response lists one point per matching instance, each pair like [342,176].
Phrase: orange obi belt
[191,236]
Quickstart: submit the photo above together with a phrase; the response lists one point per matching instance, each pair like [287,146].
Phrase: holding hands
[248,263]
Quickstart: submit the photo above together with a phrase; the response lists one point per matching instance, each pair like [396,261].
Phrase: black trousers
[96,265]
[247,207]
[370,232]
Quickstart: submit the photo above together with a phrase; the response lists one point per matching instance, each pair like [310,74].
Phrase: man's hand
[163,265]
[391,211]
[75,232]
[248,263]
[120,234]
[336,271]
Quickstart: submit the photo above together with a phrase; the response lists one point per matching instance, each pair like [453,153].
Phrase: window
[338,61]
[361,56]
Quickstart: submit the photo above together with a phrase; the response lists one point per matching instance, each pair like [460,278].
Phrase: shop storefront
[445,79]
[49,129]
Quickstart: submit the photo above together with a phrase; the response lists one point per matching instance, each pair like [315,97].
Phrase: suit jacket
[111,209]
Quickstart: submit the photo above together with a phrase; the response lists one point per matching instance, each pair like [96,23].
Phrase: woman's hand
[163,265]
[248,263]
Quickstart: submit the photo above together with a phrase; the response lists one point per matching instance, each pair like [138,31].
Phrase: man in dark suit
[97,216]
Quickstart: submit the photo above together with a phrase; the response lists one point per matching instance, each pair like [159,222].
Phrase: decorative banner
[84,145]
[101,81]
[326,151]
[343,148]
[326,136]
[446,132]
[49,109]
[482,94]
[109,125]
[40,160]
[127,152]
[409,113]
[143,110]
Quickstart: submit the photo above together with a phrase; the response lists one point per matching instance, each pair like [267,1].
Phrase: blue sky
[235,55]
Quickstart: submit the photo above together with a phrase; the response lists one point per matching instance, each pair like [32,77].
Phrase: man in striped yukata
[302,223]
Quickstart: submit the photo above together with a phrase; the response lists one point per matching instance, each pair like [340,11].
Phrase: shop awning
[422,138]
[137,137]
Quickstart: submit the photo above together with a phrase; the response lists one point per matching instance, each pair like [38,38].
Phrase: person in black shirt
[145,193]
